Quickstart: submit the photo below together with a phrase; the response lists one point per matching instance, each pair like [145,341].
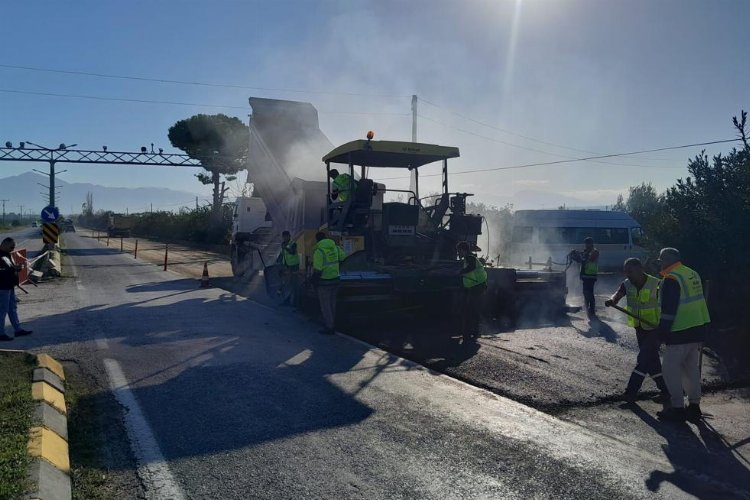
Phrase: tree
[220,143]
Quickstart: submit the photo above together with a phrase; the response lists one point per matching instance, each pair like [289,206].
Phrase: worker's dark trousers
[648,362]
[327,290]
[588,295]
[471,313]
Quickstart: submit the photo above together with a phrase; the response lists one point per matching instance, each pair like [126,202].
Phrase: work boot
[5,338]
[21,333]
[693,413]
[672,415]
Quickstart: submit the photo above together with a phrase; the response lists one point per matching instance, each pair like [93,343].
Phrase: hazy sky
[577,76]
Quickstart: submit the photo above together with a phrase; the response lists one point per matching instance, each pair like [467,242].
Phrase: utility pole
[4,210]
[20,209]
[414,176]
[414,118]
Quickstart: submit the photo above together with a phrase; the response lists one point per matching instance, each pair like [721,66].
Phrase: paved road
[226,398]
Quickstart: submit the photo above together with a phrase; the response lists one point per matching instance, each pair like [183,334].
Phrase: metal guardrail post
[120,244]
[166,254]
[135,253]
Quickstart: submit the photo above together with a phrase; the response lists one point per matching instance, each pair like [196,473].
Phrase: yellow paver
[42,391]
[46,361]
[45,444]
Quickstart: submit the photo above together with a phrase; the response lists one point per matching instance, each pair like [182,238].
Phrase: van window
[522,234]
[567,235]
[611,236]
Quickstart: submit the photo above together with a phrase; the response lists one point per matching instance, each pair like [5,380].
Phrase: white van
[539,235]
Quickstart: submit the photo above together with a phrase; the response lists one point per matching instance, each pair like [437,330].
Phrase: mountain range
[24,189]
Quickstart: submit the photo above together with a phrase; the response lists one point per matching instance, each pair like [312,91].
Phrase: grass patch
[101,465]
[16,408]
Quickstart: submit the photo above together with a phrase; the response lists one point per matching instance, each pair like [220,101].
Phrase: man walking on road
[8,282]
[684,316]
[326,258]
[642,293]
[589,260]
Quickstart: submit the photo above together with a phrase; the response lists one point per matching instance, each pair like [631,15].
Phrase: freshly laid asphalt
[247,401]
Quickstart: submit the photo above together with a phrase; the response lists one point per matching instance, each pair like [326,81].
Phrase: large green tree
[220,143]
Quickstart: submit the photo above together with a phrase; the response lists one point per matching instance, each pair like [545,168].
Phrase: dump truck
[120,225]
[401,254]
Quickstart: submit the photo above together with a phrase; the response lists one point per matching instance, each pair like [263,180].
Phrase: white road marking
[152,468]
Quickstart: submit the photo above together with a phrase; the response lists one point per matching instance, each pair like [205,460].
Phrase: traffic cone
[204,278]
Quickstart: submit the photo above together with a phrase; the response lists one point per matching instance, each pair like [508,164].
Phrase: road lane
[245,401]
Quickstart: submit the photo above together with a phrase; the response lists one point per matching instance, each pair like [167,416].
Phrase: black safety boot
[672,415]
[693,413]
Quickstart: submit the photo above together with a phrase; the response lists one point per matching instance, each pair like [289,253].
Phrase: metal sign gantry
[64,155]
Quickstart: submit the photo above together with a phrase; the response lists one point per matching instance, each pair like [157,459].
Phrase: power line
[505,131]
[201,84]
[588,158]
[178,103]
[492,139]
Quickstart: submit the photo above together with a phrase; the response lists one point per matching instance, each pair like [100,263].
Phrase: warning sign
[50,232]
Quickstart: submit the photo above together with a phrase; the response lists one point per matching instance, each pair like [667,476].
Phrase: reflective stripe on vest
[692,310]
[644,303]
[475,277]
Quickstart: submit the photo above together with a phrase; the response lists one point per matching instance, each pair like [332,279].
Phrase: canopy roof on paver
[390,154]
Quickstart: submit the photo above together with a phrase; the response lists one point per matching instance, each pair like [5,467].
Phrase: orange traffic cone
[204,278]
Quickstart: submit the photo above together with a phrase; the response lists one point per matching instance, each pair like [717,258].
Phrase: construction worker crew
[326,258]
[474,280]
[589,260]
[684,316]
[8,282]
[289,259]
[642,293]
[342,186]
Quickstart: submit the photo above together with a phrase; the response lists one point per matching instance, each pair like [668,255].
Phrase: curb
[49,471]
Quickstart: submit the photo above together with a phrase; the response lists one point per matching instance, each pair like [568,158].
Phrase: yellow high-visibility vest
[326,258]
[692,310]
[644,303]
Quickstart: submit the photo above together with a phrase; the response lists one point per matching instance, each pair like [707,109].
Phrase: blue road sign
[50,214]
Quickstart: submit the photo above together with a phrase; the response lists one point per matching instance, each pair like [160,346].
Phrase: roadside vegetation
[196,225]
[101,465]
[16,407]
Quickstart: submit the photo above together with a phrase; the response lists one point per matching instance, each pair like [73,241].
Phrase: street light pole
[52,167]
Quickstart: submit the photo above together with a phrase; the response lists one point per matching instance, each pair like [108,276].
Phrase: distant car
[34,224]
[68,227]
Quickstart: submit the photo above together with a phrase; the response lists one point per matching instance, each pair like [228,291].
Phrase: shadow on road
[598,328]
[261,376]
[696,457]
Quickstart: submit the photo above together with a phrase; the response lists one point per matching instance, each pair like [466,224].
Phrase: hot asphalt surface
[247,401]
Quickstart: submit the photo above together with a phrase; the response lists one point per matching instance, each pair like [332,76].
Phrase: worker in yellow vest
[589,260]
[474,281]
[342,186]
[642,293]
[289,260]
[326,258]
[684,320]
